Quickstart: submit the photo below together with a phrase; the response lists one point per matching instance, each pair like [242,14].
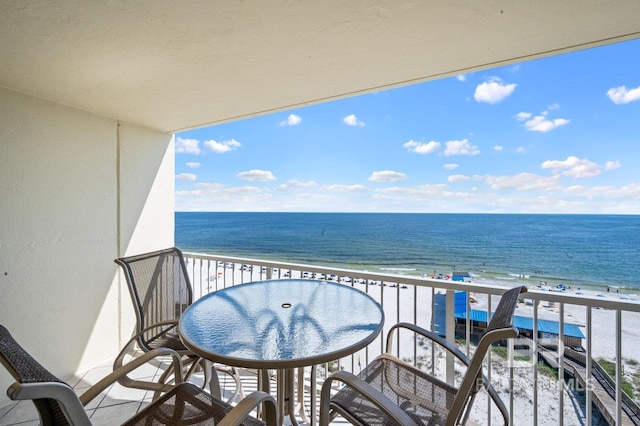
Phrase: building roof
[526,323]
[170,65]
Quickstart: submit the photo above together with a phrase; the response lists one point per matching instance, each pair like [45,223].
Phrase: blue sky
[554,135]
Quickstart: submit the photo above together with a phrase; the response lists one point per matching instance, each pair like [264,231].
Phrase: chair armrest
[69,403]
[122,371]
[429,335]
[123,379]
[367,391]
[135,337]
[247,405]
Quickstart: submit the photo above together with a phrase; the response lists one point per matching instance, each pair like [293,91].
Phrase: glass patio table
[281,325]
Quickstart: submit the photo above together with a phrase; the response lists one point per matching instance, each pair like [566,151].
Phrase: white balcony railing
[593,327]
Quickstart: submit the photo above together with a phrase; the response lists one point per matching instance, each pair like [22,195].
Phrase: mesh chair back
[160,289]
[503,316]
[25,369]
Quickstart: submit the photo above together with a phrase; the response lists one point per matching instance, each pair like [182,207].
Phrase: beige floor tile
[23,412]
[115,414]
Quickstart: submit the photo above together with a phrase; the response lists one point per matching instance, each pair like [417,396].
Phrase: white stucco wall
[76,191]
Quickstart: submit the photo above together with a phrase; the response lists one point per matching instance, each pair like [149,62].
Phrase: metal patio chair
[185,403]
[392,391]
[160,290]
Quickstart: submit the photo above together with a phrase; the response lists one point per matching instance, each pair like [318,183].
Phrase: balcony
[563,335]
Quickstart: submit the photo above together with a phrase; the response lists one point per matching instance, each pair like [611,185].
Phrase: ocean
[576,250]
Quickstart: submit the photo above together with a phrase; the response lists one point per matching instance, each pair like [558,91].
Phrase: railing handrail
[269,269]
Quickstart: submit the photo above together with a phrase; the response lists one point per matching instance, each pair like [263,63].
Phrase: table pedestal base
[286,394]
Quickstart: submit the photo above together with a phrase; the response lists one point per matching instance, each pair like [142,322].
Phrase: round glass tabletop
[281,323]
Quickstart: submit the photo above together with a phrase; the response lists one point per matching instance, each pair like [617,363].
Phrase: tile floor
[118,403]
[115,405]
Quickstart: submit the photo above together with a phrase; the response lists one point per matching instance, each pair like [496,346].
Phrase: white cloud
[573,166]
[187,146]
[450,166]
[458,178]
[193,165]
[523,182]
[631,191]
[352,120]
[462,147]
[294,184]
[455,147]
[431,198]
[345,188]
[498,148]
[422,147]
[493,91]
[387,176]
[292,120]
[205,186]
[222,147]
[186,176]
[610,165]
[520,150]
[217,197]
[428,191]
[540,123]
[256,175]
[622,95]
[461,77]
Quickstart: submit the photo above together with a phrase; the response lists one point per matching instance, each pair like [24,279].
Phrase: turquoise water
[577,250]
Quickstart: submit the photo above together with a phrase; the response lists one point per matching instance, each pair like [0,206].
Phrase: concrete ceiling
[173,65]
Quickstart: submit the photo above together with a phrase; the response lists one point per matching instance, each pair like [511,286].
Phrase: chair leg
[195,364]
[233,372]
[325,410]
[211,378]
[236,376]
[163,379]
